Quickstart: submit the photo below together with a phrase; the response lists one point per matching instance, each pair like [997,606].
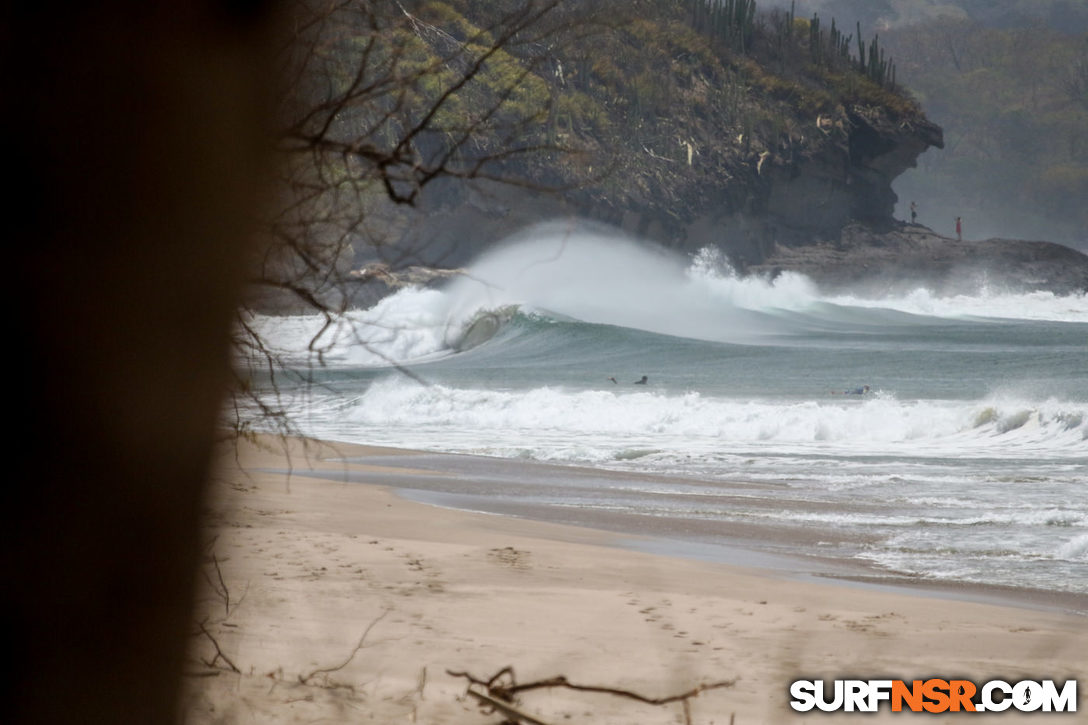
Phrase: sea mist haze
[966,461]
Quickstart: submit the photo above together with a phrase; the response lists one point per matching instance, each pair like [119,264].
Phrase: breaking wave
[600,279]
[691,422]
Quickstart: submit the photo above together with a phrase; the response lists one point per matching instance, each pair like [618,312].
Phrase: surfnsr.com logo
[933,695]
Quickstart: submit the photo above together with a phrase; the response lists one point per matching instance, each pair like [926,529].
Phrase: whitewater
[965,461]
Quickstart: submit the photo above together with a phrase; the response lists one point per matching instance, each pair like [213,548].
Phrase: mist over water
[596,278]
[968,459]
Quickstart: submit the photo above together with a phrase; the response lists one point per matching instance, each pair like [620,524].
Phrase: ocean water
[966,461]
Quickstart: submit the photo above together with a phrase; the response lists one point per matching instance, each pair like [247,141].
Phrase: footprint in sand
[509,556]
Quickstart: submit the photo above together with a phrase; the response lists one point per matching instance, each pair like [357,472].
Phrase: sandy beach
[334,601]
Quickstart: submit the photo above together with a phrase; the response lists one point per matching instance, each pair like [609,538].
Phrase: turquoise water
[967,460]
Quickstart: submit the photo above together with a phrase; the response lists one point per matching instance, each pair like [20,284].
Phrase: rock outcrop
[746,200]
[827,213]
[779,156]
[912,255]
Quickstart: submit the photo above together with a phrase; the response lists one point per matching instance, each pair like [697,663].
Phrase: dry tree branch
[219,587]
[218,651]
[505,708]
[305,679]
[501,696]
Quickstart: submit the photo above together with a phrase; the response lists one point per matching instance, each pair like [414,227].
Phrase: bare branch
[305,679]
[505,708]
[500,695]
[218,651]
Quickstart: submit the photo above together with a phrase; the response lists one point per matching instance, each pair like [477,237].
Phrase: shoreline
[798,567]
[346,599]
[742,550]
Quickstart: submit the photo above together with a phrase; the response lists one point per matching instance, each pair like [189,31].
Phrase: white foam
[1076,549]
[695,424]
[407,325]
[988,303]
[711,272]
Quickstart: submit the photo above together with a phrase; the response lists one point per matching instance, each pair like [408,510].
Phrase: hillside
[765,132]
[429,134]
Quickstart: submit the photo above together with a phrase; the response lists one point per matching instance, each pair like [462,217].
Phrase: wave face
[967,460]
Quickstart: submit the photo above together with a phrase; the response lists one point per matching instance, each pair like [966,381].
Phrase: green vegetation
[830,48]
[729,21]
[733,24]
[652,100]
[875,67]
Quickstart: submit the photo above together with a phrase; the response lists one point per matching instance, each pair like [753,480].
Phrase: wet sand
[302,568]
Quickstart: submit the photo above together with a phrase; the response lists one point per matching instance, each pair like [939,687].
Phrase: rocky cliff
[775,149]
[799,190]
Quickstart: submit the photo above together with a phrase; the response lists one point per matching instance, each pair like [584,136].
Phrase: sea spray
[408,325]
[987,304]
[710,271]
[596,278]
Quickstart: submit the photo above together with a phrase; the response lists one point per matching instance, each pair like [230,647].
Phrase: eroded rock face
[796,190]
[850,175]
[880,150]
[826,212]
[822,206]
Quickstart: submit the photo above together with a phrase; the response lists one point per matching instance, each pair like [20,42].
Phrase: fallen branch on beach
[499,693]
[305,679]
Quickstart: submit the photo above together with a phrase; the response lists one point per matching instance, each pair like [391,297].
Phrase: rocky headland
[771,139]
[780,161]
[826,213]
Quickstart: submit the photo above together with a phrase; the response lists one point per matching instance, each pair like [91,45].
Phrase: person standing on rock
[913,213]
[959,229]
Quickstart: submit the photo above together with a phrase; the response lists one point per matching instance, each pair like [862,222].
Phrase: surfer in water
[641,382]
[856,391]
[613,379]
